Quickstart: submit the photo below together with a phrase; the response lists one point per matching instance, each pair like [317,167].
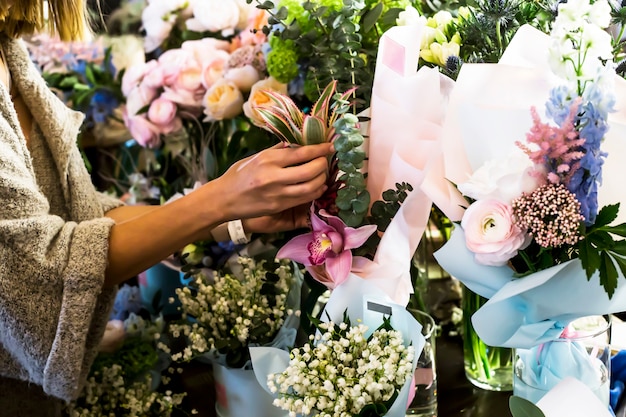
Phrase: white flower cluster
[341,371]
[579,42]
[107,394]
[251,308]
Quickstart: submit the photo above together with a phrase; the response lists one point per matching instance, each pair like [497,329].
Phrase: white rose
[215,16]
[503,179]
[157,20]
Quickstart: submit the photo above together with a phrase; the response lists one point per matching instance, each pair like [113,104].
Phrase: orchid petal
[320,225]
[354,238]
[297,249]
[334,221]
[339,267]
[320,274]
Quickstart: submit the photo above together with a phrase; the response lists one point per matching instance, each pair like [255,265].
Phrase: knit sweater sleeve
[53,309]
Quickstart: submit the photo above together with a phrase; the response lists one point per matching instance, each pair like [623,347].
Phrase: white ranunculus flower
[502,179]
[215,16]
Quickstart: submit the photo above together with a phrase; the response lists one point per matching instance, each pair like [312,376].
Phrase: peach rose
[222,101]
[258,98]
[491,232]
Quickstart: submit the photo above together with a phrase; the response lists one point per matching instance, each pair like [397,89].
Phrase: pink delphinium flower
[491,232]
[326,250]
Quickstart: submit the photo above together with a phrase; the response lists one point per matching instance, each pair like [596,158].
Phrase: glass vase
[583,352]
[487,367]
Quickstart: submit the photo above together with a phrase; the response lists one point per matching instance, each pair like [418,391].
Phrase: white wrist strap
[236,232]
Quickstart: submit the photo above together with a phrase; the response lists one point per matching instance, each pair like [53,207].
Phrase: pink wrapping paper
[407,109]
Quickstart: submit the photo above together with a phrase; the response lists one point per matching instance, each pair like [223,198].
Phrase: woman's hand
[273,181]
[290,219]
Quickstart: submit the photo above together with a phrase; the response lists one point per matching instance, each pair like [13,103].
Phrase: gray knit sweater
[53,250]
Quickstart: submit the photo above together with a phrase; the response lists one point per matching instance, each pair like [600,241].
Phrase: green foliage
[490,25]
[599,252]
[330,40]
[136,357]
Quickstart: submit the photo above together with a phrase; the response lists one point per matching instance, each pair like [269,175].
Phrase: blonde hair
[66,18]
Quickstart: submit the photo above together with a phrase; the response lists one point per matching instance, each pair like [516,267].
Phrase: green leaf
[371,17]
[606,215]
[322,105]
[279,125]
[521,407]
[619,230]
[313,131]
[608,274]
[589,257]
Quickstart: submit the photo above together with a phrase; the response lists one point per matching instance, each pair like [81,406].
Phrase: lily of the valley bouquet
[130,376]
[535,237]
[359,363]
[253,303]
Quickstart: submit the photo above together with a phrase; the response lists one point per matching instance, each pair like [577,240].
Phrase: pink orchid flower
[326,250]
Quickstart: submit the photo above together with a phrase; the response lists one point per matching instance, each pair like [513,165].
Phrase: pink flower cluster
[207,78]
[551,214]
[559,147]
[55,56]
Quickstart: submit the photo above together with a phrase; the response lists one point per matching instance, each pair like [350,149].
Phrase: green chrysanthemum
[282,60]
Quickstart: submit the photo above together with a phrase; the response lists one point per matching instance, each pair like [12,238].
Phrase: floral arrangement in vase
[534,235]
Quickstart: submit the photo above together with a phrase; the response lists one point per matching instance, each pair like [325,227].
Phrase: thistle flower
[551,214]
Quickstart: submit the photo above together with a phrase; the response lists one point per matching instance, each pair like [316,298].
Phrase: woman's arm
[264,184]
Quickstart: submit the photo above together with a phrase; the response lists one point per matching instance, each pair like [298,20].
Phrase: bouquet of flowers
[126,377]
[356,360]
[189,103]
[350,370]
[254,305]
[532,238]
[87,77]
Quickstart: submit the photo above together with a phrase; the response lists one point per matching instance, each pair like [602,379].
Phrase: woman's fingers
[302,154]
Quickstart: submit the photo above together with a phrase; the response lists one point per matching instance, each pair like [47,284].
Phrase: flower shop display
[255,305]
[188,103]
[536,237]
